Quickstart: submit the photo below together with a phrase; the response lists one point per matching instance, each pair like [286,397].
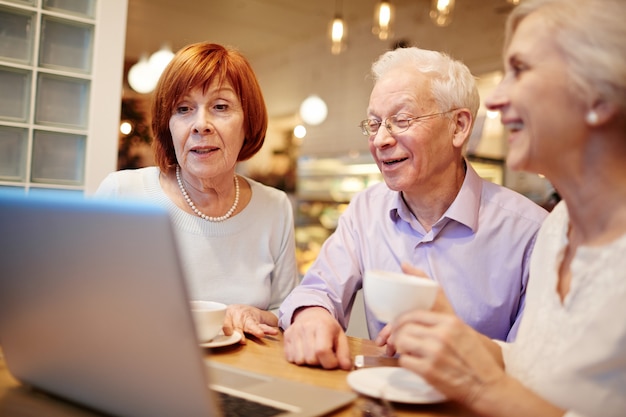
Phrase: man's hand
[316,338]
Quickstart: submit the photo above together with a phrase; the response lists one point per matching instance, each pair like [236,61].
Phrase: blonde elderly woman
[563,100]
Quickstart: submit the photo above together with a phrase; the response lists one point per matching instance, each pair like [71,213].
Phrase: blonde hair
[591,34]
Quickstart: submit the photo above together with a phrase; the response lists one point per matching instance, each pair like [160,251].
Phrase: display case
[324,188]
[335,180]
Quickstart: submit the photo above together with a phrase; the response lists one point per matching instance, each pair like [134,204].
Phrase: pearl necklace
[198,212]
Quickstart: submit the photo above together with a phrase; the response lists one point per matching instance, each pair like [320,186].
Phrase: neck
[594,188]
[430,202]
[197,211]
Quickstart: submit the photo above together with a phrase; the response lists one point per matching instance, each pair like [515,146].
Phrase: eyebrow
[210,92]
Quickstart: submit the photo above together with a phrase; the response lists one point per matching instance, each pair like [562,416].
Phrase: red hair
[198,65]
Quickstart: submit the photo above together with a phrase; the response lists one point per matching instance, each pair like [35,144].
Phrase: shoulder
[270,204]
[556,224]
[128,181]
[512,203]
[266,196]
[130,176]
[373,202]
[374,193]
[265,190]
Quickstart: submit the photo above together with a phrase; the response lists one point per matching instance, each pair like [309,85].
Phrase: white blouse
[573,353]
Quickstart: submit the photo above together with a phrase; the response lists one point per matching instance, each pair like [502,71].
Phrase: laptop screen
[93,305]
[94,309]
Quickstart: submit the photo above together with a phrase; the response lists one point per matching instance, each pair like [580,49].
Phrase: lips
[393,161]
[203,151]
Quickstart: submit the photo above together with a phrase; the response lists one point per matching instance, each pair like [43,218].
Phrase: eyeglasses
[395,124]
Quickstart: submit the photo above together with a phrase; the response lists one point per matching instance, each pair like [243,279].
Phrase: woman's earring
[592,117]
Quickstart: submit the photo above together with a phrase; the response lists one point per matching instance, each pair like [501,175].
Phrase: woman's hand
[464,365]
[449,354]
[247,319]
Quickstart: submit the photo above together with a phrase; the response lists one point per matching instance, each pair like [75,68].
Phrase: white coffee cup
[389,294]
[208,317]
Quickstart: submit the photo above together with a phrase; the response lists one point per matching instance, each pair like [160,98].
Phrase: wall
[475,37]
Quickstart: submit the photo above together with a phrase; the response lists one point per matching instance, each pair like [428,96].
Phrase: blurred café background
[76,78]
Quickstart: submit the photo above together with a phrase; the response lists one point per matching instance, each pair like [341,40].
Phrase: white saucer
[222,340]
[398,385]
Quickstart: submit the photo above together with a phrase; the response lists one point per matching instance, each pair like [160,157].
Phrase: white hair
[452,84]
[591,34]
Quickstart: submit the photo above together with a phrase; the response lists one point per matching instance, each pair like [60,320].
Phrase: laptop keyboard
[233,406]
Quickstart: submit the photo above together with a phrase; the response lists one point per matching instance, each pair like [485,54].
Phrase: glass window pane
[78,7]
[13,145]
[15,97]
[62,101]
[65,45]
[16,35]
[58,158]
[29,2]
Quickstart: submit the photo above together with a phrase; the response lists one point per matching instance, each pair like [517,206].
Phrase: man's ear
[462,127]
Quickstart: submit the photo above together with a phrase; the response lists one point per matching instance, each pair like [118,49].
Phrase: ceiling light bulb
[384,15]
[144,75]
[382,20]
[126,128]
[441,12]
[299,131]
[140,76]
[337,35]
[337,30]
[159,60]
[313,110]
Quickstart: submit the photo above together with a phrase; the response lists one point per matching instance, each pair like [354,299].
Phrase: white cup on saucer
[208,317]
[389,294]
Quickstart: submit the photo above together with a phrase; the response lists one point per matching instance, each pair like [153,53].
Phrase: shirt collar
[464,209]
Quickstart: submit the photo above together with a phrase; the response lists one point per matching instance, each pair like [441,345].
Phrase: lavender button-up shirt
[478,252]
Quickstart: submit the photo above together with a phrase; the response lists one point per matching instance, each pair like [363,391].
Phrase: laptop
[94,309]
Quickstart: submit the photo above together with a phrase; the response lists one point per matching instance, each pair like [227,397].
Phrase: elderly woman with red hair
[235,235]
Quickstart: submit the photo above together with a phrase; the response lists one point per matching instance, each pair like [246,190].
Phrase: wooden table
[267,357]
[263,356]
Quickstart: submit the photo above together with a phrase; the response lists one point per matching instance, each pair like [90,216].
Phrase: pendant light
[144,75]
[441,12]
[383,17]
[337,31]
[159,60]
[140,77]
[313,110]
